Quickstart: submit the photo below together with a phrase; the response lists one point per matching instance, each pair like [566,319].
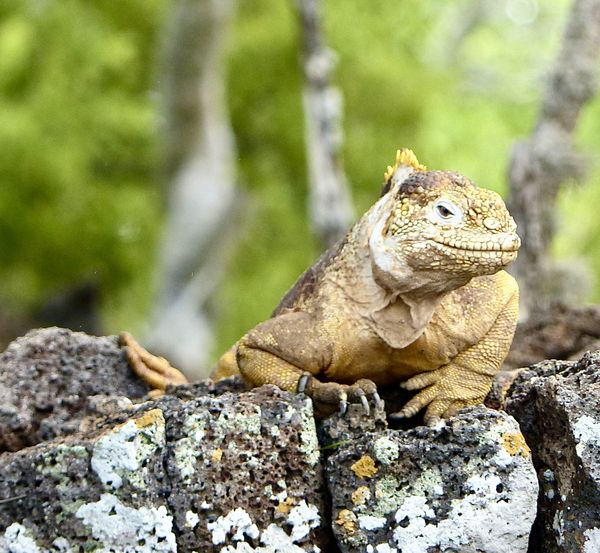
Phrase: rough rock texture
[465,485]
[215,468]
[559,332]
[228,473]
[558,407]
[47,379]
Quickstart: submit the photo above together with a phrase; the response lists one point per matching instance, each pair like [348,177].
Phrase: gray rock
[557,404]
[47,378]
[343,428]
[465,485]
[234,473]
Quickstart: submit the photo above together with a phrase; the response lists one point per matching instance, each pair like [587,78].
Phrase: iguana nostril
[491,223]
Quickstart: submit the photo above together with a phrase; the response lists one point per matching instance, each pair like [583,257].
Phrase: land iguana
[414,294]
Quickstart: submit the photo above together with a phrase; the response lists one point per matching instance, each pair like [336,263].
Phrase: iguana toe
[420,381]
[333,393]
[157,372]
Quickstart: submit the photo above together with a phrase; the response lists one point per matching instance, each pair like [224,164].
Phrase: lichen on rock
[122,451]
[455,486]
[117,527]
[556,404]
[212,467]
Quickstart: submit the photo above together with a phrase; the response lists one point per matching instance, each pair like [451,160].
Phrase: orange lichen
[347,520]
[360,495]
[216,456]
[515,444]
[285,506]
[154,416]
[364,467]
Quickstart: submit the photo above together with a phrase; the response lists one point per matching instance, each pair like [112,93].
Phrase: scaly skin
[414,294]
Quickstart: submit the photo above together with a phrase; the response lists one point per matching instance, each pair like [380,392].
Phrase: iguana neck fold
[387,293]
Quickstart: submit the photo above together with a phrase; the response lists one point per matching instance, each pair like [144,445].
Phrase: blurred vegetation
[80,191]
[78,150]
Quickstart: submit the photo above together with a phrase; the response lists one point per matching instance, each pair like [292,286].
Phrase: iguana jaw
[472,259]
[496,243]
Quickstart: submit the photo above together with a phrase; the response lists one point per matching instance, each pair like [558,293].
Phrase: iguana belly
[384,365]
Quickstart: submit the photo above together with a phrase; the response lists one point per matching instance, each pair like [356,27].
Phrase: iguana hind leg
[155,371]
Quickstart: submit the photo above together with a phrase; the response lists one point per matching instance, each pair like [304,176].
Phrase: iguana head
[441,224]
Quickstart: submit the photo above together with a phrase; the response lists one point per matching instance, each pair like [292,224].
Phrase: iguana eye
[446,212]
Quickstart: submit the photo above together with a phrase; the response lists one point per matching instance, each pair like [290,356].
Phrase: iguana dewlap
[414,294]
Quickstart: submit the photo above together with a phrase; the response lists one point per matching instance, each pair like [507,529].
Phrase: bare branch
[330,203]
[541,164]
[200,153]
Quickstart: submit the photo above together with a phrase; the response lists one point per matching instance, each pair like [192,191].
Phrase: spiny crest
[404,158]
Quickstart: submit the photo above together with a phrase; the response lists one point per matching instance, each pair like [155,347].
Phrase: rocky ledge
[90,464]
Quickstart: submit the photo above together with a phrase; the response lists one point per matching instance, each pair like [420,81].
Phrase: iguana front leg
[467,379]
[289,352]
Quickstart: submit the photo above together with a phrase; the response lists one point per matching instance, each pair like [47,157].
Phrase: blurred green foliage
[80,199]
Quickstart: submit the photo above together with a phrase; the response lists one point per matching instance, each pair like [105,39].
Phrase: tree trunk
[199,162]
[539,165]
[330,204]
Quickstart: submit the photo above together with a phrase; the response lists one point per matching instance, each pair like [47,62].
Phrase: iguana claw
[302,382]
[378,401]
[365,403]
[342,394]
[343,404]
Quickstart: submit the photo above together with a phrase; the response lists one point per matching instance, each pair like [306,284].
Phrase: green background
[81,194]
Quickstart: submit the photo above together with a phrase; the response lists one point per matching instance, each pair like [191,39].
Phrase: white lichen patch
[309,444]
[417,532]
[487,519]
[191,519]
[592,540]
[368,522]
[118,527]
[587,432]
[386,450]
[237,523]
[124,449]
[414,507]
[62,545]
[238,526]
[484,485]
[276,540]
[275,432]
[239,424]
[18,539]
[303,518]
[381,548]
[188,449]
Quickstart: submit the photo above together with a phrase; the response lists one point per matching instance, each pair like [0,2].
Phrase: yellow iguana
[415,294]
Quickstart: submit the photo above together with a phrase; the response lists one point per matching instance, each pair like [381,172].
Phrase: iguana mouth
[508,244]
